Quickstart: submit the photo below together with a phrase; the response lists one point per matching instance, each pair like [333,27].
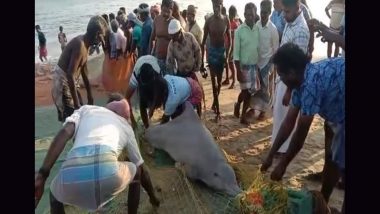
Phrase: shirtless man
[71,64]
[217,26]
[160,33]
[62,38]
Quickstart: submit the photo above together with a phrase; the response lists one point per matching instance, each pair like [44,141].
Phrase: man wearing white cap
[91,174]
[136,33]
[184,52]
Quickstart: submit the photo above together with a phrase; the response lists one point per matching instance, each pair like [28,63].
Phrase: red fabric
[234,24]
[43,51]
[196,92]
[116,73]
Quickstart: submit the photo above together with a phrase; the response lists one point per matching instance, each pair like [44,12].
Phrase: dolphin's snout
[234,190]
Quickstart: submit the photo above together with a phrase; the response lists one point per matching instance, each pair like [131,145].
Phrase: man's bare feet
[226,82]
[261,116]
[237,110]
[217,118]
[244,121]
[213,107]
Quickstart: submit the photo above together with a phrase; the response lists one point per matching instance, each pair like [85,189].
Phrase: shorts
[62,96]
[43,51]
[216,58]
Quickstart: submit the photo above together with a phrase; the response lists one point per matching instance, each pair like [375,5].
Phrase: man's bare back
[74,49]
[217,28]
[162,38]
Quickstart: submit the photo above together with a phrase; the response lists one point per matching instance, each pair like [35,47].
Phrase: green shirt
[246,44]
[136,35]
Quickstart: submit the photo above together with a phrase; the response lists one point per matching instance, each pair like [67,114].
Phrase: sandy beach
[246,145]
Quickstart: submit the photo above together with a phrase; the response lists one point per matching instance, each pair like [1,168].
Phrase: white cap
[147,59]
[174,26]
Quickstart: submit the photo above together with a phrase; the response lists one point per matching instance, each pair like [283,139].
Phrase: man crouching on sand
[72,63]
[91,174]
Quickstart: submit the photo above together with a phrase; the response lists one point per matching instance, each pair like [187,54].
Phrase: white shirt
[98,125]
[297,32]
[269,42]
[121,40]
[179,91]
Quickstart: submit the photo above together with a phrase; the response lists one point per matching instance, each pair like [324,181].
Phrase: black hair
[152,87]
[122,9]
[60,28]
[250,5]
[38,27]
[184,13]
[232,12]
[114,97]
[97,24]
[105,16]
[167,3]
[224,11]
[135,11]
[266,3]
[217,2]
[290,56]
[114,25]
[290,3]
[143,6]
[111,16]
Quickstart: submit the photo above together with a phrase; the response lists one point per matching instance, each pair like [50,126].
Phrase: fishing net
[178,194]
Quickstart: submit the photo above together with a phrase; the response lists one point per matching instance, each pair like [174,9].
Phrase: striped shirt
[297,32]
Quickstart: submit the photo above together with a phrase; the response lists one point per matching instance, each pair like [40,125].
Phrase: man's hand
[327,35]
[266,164]
[165,119]
[39,184]
[316,25]
[203,71]
[278,172]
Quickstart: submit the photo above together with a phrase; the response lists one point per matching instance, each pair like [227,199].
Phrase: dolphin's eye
[216,174]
